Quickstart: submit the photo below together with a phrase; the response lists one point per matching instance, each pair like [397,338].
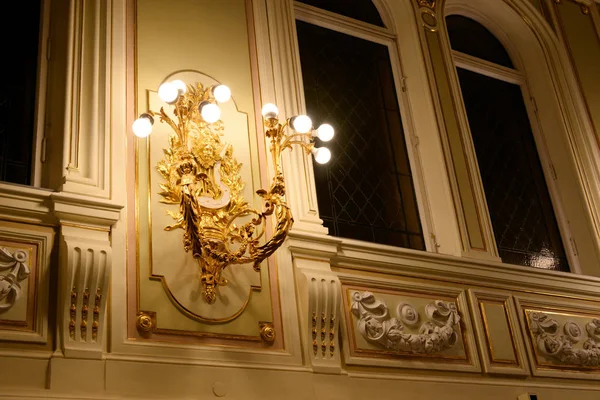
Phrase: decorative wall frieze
[556,341]
[14,265]
[24,281]
[562,335]
[377,325]
[397,323]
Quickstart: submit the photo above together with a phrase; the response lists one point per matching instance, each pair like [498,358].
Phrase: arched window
[519,203]
[366,191]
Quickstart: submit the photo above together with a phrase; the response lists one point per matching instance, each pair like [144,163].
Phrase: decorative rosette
[408,314]
[573,332]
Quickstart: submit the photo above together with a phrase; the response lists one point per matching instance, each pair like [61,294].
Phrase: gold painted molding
[426,3]
[497,332]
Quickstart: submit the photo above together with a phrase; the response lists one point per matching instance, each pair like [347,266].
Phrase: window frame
[518,77]
[387,38]
[38,142]
[40,114]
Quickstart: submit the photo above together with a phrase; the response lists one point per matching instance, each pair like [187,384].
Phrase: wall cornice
[25,203]
[395,261]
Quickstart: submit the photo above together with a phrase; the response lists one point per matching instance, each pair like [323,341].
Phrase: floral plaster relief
[565,340]
[414,325]
[14,271]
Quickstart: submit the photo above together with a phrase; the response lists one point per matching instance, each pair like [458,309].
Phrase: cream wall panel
[498,335]
[21,372]
[582,39]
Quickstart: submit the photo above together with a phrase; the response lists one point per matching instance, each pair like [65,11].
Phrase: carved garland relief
[557,343]
[15,265]
[377,326]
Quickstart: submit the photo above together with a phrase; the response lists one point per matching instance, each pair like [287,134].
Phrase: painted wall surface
[204,41]
[211,37]
[581,34]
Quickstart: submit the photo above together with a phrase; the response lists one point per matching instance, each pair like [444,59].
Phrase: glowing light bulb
[322,155]
[270,110]
[302,124]
[325,132]
[210,112]
[222,93]
[168,92]
[180,86]
[142,126]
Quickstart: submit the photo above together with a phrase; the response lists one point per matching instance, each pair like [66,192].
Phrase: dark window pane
[17,89]
[470,37]
[362,10]
[366,191]
[523,220]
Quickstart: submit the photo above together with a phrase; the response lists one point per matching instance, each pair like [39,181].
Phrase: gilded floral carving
[378,327]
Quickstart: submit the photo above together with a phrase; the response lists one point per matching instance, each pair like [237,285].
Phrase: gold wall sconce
[202,176]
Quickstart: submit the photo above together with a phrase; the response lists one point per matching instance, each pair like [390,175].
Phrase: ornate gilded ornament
[202,176]
[267,332]
[426,3]
[378,327]
[145,323]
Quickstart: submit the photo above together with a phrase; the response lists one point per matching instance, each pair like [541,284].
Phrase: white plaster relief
[378,327]
[558,346]
[10,284]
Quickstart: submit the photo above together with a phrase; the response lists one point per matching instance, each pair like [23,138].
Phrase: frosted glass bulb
[222,93]
[168,92]
[322,155]
[270,110]
[180,86]
[142,126]
[325,132]
[302,124]
[210,112]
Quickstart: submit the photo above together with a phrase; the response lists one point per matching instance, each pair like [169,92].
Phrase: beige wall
[317,275]
[580,32]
